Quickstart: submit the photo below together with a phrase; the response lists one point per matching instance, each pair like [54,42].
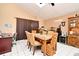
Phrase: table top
[6,35]
[43,36]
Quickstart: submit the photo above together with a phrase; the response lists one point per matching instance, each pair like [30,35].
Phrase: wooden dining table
[44,38]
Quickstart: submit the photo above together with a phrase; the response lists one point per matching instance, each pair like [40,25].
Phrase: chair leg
[55,47]
[28,44]
[34,50]
[42,49]
[30,47]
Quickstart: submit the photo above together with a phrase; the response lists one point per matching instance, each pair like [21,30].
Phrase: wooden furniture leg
[44,53]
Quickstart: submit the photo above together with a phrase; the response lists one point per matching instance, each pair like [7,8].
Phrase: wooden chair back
[34,31]
[52,46]
[54,40]
[32,38]
[50,32]
[43,32]
[27,34]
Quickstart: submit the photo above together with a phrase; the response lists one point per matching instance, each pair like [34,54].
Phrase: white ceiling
[49,11]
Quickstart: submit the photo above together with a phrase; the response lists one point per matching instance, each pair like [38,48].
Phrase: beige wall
[55,22]
[8,12]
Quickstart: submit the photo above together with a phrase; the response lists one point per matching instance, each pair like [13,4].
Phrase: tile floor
[21,49]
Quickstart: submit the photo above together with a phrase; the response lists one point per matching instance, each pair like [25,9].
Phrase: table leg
[44,53]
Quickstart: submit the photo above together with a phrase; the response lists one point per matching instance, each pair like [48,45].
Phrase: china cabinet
[73,31]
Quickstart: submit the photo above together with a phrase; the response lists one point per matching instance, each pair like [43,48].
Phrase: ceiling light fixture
[41,4]
[52,4]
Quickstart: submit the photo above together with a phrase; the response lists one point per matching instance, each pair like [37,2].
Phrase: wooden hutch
[73,31]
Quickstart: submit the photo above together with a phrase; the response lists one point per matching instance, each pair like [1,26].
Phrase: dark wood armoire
[23,25]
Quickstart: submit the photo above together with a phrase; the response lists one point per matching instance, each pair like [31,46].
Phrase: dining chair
[54,40]
[44,32]
[33,42]
[34,31]
[50,32]
[14,39]
[51,46]
[28,40]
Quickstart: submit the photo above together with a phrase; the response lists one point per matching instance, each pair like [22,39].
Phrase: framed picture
[8,25]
